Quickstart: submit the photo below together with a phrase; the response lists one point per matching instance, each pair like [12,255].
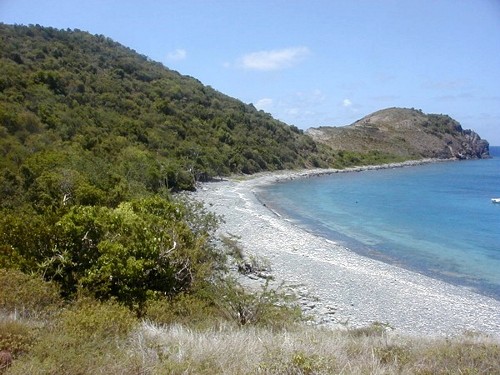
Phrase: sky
[310,63]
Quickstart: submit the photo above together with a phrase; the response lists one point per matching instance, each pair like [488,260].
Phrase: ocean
[436,219]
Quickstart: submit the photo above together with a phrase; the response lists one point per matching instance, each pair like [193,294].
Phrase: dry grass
[306,350]
[67,347]
[91,337]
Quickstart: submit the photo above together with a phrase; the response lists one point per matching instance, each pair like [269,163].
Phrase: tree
[142,249]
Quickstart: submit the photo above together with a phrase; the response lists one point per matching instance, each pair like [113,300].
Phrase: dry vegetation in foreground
[71,346]
[91,337]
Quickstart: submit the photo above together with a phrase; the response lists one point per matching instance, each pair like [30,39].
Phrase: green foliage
[90,131]
[86,338]
[351,159]
[195,311]
[16,337]
[90,320]
[93,107]
[269,307]
[27,295]
[441,124]
[140,249]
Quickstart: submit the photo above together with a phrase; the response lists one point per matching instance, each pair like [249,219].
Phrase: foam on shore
[342,286]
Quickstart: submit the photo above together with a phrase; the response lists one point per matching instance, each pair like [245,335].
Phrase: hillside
[82,99]
[405,132]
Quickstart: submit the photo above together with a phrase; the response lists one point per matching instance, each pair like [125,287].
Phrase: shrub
[88,319]
[16,337]
[270,307]
[141,249]
[27,296]
[87,338]
[189,310]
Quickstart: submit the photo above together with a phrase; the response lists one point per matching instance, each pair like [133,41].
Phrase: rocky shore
[336,286]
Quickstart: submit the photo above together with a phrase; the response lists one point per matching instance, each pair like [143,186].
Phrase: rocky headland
[407,133]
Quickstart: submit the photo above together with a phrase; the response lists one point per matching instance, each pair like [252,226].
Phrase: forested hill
[84,106]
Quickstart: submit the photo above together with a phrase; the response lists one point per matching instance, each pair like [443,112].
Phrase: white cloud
[264,104]
[177,55]
[346,103]
[274,59]
[349,108]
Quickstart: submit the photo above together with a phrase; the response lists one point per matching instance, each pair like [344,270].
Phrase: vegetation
[89,337]
[94,138]
[103,269]
[110,118]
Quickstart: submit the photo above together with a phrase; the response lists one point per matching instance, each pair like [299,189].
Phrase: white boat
[495,200]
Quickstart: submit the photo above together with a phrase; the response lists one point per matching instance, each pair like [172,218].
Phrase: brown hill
[408,133]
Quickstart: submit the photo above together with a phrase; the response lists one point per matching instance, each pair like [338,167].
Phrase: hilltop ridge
[408,133]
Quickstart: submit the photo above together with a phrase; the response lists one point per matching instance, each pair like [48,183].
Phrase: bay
[436,219]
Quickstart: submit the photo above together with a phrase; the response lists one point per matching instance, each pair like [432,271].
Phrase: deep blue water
[436,219]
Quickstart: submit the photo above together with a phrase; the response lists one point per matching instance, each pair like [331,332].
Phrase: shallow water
[436,219]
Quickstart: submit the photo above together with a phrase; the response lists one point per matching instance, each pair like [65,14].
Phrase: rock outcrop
[408,133]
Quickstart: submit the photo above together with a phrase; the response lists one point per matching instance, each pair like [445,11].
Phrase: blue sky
[310,62]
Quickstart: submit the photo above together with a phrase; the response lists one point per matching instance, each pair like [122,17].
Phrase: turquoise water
[436,219]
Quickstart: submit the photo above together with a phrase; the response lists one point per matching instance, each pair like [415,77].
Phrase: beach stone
[361,290]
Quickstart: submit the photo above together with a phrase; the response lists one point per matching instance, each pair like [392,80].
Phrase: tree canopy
[84,106]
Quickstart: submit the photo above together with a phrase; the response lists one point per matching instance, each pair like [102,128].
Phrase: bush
[189,310]
[88,319]
[87,338]
[16,337]
[27,296]
[142,249]
[273,308]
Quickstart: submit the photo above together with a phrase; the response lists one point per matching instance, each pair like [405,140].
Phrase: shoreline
[335,285]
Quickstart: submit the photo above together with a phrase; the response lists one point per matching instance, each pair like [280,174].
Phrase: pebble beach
[336,286]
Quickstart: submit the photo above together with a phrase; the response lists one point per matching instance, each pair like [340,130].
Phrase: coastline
[335,285]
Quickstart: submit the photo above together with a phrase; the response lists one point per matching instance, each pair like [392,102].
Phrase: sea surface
[436,219]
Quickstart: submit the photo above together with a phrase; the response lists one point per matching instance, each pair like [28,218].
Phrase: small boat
[495,200]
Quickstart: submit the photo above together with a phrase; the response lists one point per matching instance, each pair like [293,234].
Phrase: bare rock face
[474,146]
[408,133]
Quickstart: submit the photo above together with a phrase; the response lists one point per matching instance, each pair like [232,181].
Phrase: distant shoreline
[336,285]
[287,175]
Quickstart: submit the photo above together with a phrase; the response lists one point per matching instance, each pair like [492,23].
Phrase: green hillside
[87,105]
